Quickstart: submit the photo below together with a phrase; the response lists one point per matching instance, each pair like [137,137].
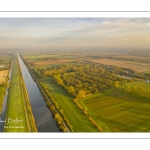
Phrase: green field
[76,117]
[140,84]
[118,111]
[148,72]
[17,113]
[51,58]
[2,88]
[52,65]
[5,59]
[15,105]
[35,57]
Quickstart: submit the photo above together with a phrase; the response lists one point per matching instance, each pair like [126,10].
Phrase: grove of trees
[82,79]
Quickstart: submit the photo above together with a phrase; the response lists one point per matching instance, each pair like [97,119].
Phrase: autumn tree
[81,93]
[116,84]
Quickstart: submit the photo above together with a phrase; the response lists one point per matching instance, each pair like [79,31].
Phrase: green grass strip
[2,93]
[76,117]
[17,113]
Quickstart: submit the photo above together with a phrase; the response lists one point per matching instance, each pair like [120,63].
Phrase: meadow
[118,111]
[5,59]
[15,105]
[2,90]
[45,60]
[3,75]
[40,56]
[72,112]
[17,111]
[140,84]
[137,66]
[51,62]
[132,57]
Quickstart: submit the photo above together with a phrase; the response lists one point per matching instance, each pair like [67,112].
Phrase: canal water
[4,105]
[42,115]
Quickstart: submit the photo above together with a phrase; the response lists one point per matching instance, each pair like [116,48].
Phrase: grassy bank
[2,92]
[72,112]
[18,111]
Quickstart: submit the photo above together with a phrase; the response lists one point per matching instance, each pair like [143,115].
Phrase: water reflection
[43,117]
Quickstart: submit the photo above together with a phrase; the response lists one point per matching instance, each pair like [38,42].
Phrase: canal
[42,115]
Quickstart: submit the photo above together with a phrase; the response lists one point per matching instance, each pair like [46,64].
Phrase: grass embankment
[2,93]
[118,111]
[19,116]
[72,112]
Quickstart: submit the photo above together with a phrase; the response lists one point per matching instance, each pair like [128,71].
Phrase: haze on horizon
[40,33]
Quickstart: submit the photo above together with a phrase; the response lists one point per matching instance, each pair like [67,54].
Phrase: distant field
[44,60]
[132,57]
[148,72]
[51,62]
[118,111]
[76,117]
[3,75]
[140,84]
[137,66]
[49,56]
[5,59]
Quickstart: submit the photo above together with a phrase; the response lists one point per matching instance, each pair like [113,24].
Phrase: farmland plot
[137,66]
[118,111]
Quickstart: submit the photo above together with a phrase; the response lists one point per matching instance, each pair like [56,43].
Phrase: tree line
[137,90]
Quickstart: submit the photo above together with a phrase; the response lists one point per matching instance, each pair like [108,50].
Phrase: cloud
[74,32]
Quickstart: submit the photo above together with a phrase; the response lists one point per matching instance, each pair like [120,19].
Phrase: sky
[49,33]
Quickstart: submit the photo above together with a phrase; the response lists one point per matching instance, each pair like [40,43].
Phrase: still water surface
[42,115]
